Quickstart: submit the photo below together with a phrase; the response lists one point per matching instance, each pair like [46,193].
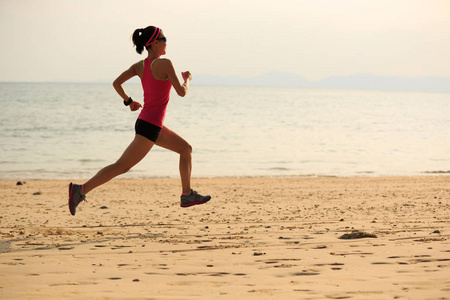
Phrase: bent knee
[187,149]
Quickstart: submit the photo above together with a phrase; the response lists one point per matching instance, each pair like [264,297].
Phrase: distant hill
[357,81]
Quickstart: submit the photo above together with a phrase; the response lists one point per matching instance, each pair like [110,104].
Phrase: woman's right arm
[169,70]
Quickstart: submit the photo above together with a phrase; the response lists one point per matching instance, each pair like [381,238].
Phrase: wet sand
[258,238]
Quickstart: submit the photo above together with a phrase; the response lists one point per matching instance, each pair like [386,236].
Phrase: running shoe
[193,199]
[75,197]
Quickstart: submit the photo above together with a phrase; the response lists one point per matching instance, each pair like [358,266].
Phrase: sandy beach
[258,238]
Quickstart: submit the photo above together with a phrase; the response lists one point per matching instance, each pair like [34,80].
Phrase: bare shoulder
[138,68]
[164,62]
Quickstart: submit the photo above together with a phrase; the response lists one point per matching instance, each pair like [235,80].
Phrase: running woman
[157,77]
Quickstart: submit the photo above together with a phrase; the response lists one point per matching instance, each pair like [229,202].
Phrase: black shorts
[147,130]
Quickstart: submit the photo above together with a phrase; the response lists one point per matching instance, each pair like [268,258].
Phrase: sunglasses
[162,39]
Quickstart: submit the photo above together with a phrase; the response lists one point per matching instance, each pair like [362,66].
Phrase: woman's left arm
[125,76]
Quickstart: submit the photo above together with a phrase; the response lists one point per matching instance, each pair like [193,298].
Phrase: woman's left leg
[134,153]
[172,141]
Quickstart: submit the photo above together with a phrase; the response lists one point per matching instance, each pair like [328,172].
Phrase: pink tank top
[156,96]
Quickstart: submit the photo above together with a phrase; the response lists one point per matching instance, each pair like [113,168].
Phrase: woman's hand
[135,106]
[186,75]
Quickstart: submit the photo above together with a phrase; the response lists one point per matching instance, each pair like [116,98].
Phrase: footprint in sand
[306,273]
[338,296]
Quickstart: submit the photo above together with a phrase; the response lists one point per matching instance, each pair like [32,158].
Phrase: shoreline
[258,238]
[361,175]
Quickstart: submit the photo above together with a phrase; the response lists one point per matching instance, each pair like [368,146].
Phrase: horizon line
[361,81]
[238,77]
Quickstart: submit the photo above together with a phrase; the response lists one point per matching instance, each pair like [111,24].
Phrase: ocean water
[71,130]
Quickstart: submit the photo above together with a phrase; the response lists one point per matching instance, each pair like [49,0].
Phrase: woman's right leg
[135,152]
[170,140]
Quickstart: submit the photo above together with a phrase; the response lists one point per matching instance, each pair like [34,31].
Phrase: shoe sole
[71,206]
[195,203]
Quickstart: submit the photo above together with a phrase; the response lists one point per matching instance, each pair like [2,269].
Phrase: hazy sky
[85,40]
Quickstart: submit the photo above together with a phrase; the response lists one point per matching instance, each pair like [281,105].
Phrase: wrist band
[126,103]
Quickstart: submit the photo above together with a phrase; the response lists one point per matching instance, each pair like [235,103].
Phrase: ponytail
[137,40]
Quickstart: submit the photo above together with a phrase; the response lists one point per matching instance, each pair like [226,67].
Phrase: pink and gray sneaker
[75,197]
[193,198]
